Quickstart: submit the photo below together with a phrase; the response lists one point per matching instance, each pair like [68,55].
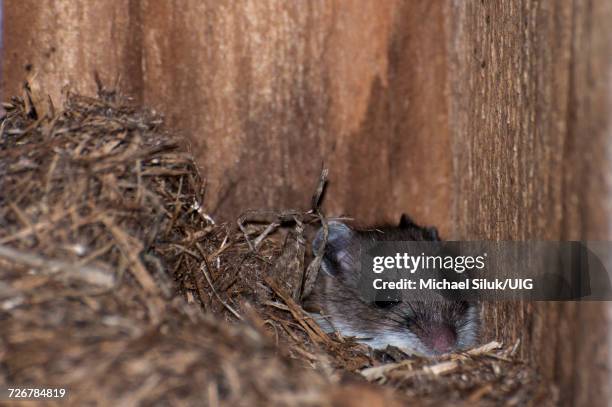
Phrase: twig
[88,274]
[313,330]
[35,228]
[318,195]
[204,269]
[313,268]
[271,227]
[486,348]
[127,249]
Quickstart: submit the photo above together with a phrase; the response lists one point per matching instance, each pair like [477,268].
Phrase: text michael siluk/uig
[444,284]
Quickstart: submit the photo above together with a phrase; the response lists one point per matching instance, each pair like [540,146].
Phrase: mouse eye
[386,304]
[463,306]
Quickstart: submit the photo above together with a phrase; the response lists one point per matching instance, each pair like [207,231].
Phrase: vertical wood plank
[530,113]
[65,42]
[269,91]
[1,48]
[588,185]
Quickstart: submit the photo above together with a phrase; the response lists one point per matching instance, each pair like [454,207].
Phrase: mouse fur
[427,327]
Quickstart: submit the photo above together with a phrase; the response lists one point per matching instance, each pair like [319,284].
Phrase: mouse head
[432,325]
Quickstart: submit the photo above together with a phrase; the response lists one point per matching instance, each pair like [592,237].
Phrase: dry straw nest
[117,285]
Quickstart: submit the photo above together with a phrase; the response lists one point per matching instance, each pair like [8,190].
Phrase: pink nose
[440,338]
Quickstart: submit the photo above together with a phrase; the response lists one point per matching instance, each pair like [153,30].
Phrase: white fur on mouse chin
[407,341]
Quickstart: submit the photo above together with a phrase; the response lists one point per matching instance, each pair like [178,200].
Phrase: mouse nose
[441,338]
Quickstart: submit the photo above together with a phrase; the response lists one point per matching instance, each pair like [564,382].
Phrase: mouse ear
[430,233]
[406,222]
[337,256]
[433,233]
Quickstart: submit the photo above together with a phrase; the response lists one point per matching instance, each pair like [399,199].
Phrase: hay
[117,284]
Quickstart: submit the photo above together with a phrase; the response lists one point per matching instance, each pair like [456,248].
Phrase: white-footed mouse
[428,327]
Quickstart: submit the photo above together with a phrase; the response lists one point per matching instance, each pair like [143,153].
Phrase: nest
[117,285]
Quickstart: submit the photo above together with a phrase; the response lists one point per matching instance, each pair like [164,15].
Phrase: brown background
[490,120]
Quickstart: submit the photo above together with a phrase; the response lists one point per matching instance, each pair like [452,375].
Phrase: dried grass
[117,284]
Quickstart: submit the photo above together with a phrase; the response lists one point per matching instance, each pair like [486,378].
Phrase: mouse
[427,327]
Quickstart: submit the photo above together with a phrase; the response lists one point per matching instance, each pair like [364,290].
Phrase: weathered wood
[530,115]
[65,43]
[488,119]
[268,91]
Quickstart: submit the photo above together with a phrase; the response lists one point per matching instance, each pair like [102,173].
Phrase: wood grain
[64,43]
[530,89]
[269,91]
